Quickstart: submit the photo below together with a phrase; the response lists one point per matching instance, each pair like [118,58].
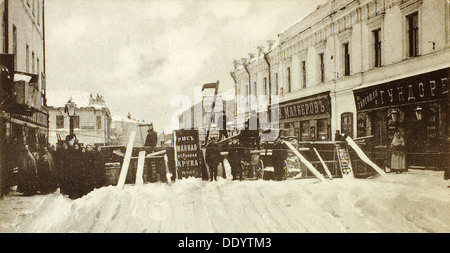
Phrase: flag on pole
[210,86]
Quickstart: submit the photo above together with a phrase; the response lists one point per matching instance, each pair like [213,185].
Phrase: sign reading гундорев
[420,88]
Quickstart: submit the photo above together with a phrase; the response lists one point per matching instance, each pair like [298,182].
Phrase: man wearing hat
[152,137]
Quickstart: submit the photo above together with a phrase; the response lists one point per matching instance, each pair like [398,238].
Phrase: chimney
[260,50]
[236,63]
[270,43]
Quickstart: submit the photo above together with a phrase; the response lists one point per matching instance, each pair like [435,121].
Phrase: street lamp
[419,113]
[70,110]
[394,115]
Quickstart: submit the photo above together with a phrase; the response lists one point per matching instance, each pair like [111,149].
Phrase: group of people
[81,169]
[74,169]
[239,151]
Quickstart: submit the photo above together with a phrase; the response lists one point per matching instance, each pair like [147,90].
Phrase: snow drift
[417,201]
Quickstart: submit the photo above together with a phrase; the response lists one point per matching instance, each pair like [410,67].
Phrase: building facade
[24,115]
[198,116]
[92,122]
[365,68]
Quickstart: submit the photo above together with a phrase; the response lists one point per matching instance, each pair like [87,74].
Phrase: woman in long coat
[398,158]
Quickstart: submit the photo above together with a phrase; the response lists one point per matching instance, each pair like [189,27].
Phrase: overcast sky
[140,54]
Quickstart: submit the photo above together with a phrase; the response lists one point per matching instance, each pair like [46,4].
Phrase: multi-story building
[24,115]
[366,68]
[198,116]
[92,120]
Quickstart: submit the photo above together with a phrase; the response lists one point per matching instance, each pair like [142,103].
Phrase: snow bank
[417,201]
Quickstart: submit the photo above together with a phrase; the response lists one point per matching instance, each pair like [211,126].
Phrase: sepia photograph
[225,117]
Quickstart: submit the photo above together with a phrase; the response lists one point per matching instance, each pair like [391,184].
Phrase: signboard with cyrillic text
[188,153]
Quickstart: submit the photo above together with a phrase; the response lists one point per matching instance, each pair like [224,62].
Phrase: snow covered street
[417,201]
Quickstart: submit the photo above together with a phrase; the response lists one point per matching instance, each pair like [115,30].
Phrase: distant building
[92,120]
[198,116]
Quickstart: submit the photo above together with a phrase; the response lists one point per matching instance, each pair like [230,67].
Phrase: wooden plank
[323,164]
[168,174]
[305,162]
[140,168]
[364,157]
[126,160]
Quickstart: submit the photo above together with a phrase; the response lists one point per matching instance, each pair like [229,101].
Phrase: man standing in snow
[234,157]
[152,138]
[213,158]
[279,155]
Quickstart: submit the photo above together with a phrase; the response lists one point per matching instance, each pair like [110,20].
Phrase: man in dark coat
[213,158]
[279,155]
[152,137]
[234,157]
[27,173]
[99,168]
[52,178]
[63,167]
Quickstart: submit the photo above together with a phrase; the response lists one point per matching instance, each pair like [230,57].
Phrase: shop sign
[87,125]
[313,107]
[188,153]
[420,88]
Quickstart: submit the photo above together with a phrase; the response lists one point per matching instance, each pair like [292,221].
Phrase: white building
[348,65]
[92,120]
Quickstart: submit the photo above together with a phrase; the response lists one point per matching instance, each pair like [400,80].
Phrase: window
[38,70]
[59,122]
[276,84]
[38,11]
[304,74]
[255,89]
[346,59]
[99,122]
[321,68]
[413,34]
[288,72]
[265,86]
[15,46]
[27,62]
[377,47]
[33,65]
[76,121]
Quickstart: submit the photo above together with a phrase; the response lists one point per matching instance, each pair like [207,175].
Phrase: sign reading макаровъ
[426,87]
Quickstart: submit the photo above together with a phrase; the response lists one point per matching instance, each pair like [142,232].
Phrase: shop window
[432,124]
[323,130]
[304,131]
[347,124]
[378,122]
[59,122]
